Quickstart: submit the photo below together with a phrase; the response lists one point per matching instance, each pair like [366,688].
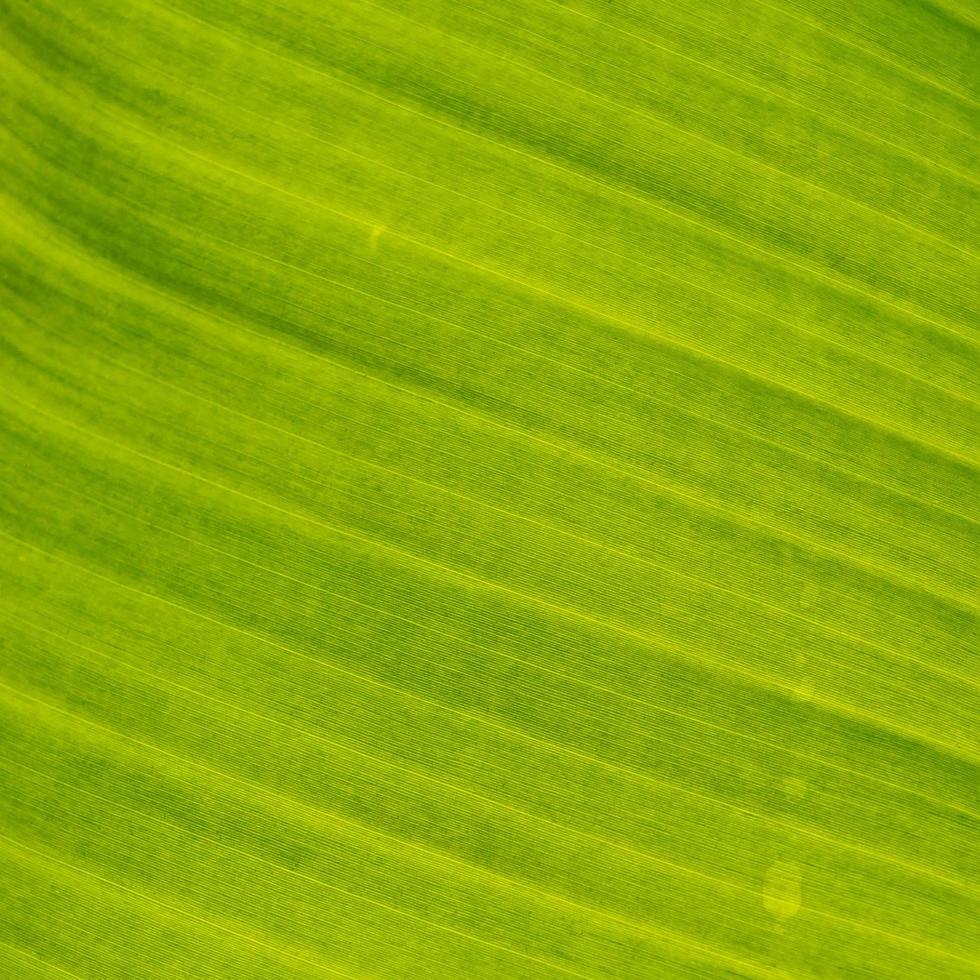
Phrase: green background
[489,490]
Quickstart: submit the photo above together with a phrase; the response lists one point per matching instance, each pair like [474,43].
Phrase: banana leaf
[489,490]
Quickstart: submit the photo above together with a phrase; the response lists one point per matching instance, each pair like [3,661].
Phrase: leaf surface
[490,490]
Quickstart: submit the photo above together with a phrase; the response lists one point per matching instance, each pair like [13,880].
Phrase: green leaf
[490,490]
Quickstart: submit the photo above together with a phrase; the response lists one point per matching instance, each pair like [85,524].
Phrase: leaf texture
[490,490]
